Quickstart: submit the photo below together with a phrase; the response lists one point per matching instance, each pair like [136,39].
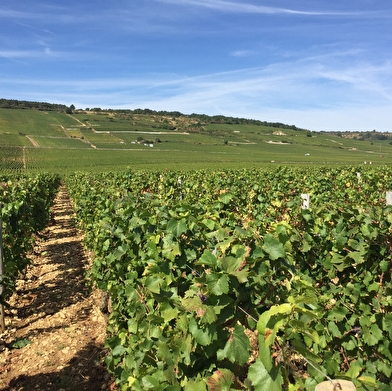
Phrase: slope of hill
[62,138]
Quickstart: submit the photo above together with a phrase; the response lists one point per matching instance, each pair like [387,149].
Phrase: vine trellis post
[180,186]
[389,198]
[305,198]
[2,322]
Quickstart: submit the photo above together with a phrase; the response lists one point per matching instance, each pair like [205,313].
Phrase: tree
[70,109]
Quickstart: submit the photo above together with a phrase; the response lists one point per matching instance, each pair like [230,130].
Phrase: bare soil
[56,315]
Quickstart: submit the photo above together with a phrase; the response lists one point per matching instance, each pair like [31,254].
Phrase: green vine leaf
[262,379]
[20,343]
[225,198]
[273,247]
[237,348]
[217,284]
[177,227]
[195,385]
[372,334]
[170,248]
[203,336]
[168,312]
[231,264]
[207,259]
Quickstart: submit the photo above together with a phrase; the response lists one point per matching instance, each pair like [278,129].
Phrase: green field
[102,141]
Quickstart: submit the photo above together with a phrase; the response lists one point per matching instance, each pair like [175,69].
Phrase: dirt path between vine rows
[55,330]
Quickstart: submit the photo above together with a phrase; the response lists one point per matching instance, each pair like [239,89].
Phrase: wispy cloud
[253,93]
[35,28]
[287,86]
[49,15]
[20,54]
[241,53]
[369,78]
[13,14]
[229,6]
[45,54]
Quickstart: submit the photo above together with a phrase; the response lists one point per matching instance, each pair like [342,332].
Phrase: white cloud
[44,54]
[12,14]
[35,28]
[18,54]
[229,6]
[241,53]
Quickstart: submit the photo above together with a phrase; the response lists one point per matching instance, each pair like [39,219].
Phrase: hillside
[60,138]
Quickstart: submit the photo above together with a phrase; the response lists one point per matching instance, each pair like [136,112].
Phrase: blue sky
[317,64]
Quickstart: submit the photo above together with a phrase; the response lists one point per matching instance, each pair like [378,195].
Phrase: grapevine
[26,202]
[199,269]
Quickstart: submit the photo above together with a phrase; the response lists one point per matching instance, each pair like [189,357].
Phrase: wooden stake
[180,185]
[2,318]
[2,321]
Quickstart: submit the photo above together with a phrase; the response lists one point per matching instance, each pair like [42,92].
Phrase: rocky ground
[55,331]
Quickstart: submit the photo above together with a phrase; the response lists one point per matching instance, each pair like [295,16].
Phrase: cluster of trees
[217,119]
[23,104]
[376,135]
[221,119]
[362,136]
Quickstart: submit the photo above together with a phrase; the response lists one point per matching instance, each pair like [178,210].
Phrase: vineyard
[269,278]
[12,158]
[24,210]
[222,280]
[44,140]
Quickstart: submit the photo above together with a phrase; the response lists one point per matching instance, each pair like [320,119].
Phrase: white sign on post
[388,198]
[336,385]
[305,201]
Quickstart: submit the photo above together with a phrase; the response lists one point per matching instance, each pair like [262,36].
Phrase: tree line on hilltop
[24,104]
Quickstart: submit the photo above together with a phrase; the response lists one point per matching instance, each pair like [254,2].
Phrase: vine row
[25,202]
[220,280]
